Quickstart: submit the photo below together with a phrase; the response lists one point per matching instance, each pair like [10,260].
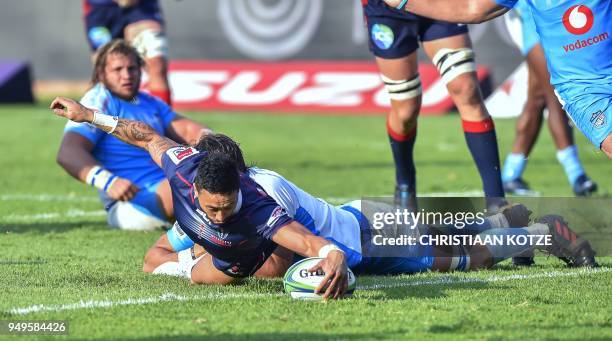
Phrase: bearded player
[132,188]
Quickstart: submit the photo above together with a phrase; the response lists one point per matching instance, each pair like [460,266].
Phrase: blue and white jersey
[124,160]
[240,245]
[321,218]
[575,35]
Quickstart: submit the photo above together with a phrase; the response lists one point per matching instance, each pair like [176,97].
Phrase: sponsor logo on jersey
[382,36]
[578,19]
[276,214]
[178,154]
[598,119]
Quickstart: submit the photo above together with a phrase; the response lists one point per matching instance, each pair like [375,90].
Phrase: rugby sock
[169,269]
[402,147]
[164,95]
[482,142]
[568,158]
[514,166]
[186,262]
[507,249]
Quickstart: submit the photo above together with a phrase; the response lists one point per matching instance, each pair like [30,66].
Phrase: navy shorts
[107,22]
[395,34]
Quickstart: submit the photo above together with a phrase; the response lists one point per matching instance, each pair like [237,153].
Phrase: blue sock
[402,147]
[482,142]
[568,158]
[513,167]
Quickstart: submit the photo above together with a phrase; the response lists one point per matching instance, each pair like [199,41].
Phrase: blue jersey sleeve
[507,3]
[96,98]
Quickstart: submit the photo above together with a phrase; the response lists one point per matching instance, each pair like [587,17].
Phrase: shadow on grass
[49,227]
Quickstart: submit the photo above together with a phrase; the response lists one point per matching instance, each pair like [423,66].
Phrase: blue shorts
[145,201]
[107,22]
[396,34]
[592,114]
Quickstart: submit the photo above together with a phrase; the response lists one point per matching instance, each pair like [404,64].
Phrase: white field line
[170,297]
[53,215]
[48,197]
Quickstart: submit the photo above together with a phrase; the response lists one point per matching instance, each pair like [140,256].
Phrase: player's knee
[126,216]
[465,91]
[406,114]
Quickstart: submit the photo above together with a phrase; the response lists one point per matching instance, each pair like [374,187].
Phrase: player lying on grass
[131,186]
[224,211]
[348,227]
[575,36]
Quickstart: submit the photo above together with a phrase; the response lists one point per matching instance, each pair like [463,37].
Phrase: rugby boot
[583,186]
[567,245]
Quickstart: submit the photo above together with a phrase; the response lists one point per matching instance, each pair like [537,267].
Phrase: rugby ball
[300,283]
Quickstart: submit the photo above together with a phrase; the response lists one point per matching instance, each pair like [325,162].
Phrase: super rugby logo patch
[276,214]
[178,154]
[382,36]
[598,119]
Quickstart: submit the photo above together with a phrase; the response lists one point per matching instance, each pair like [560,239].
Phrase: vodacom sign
[335,87]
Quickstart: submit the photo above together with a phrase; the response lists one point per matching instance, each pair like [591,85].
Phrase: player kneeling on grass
[228,214]
[348,227]
[131,186]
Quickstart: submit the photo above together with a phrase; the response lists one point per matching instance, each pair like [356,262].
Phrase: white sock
[186,262]
[168,269]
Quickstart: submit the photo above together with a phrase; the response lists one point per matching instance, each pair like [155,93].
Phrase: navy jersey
[240,245]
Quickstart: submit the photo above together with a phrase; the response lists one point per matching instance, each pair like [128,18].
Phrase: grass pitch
[60,262]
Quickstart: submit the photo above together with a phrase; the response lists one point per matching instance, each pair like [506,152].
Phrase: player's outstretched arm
[300,240]
[135,133]
[459,11]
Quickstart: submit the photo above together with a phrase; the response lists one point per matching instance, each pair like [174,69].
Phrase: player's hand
[122,189]
[126,3]
[335,282]
[71,109]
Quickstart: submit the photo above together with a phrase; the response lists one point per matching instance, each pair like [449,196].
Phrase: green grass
[57,251]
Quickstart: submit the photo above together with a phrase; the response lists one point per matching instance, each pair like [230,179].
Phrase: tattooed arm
[133,132]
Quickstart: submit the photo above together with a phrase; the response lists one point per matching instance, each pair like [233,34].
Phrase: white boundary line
[54,215]
[48,197]
[171,297]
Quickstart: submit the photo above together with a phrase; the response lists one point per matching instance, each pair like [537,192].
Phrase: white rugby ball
[301,283]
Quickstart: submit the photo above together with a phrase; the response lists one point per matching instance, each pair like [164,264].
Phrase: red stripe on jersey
[478,127]
[364,2]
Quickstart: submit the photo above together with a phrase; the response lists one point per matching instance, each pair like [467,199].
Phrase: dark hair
[119,46]
[218,174]
[219,143]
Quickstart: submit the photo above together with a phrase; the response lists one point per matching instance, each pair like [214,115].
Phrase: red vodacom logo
[578,19]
